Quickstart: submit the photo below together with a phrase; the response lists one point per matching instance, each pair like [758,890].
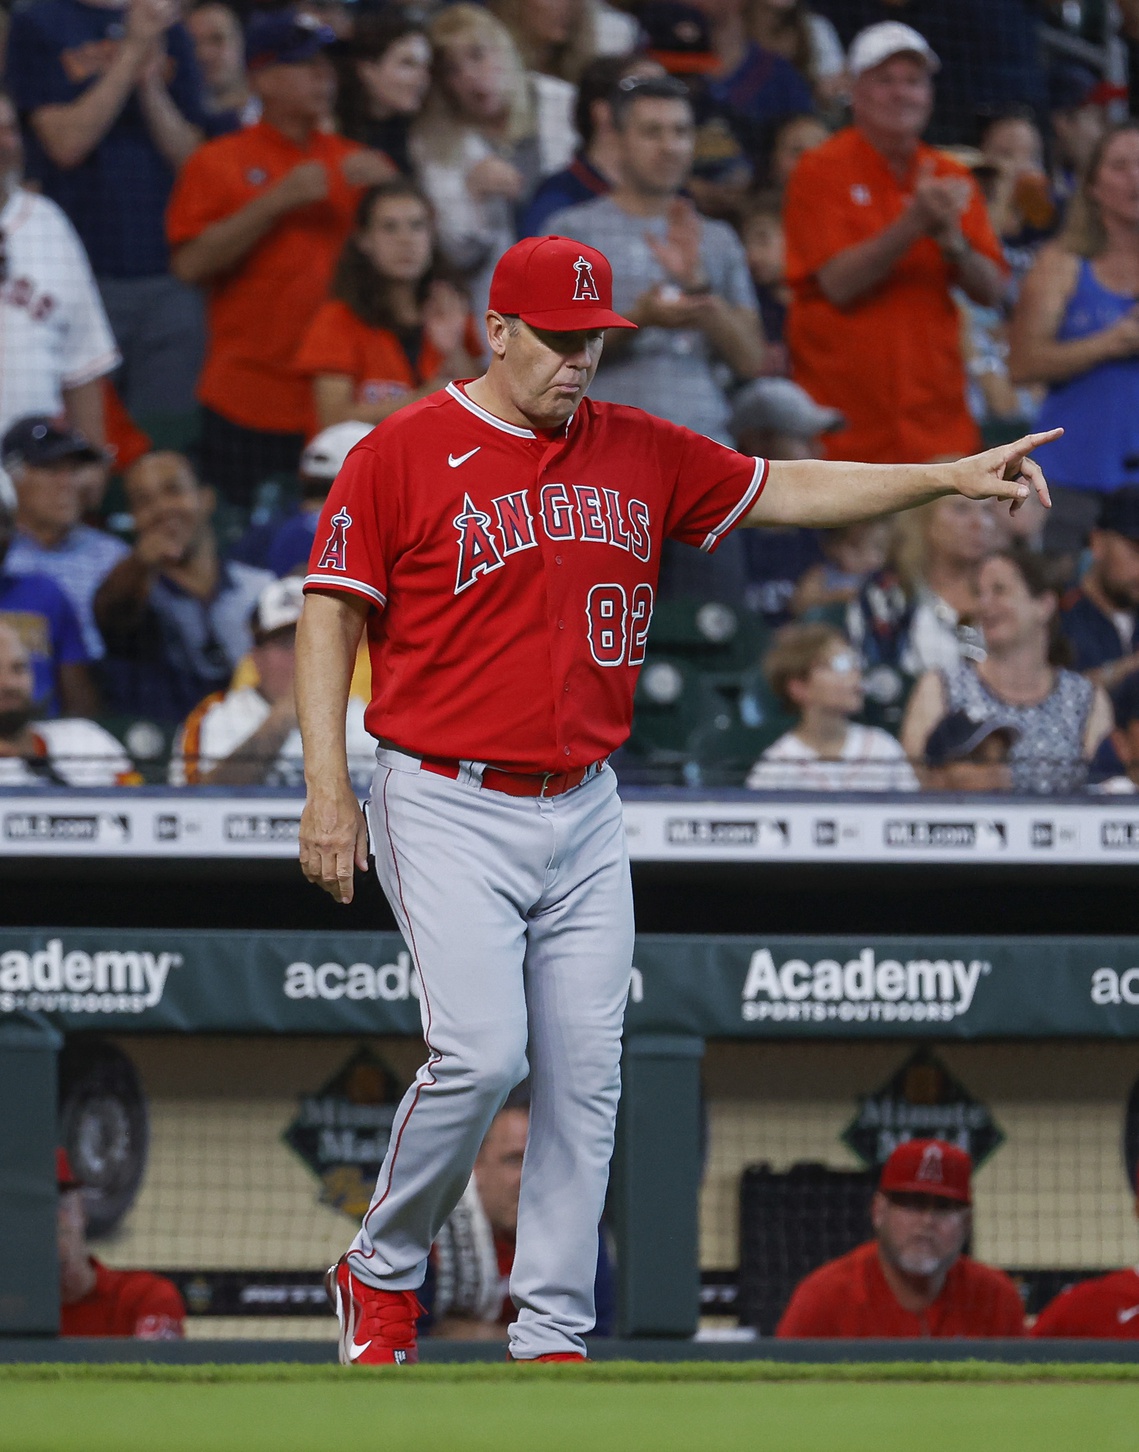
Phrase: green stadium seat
[148,744]
[720,639]
[724,747]
[673,701]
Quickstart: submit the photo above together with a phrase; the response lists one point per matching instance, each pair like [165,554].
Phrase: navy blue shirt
[761,89]
[116,198]
[45,620]
[579,182]
[1092,635]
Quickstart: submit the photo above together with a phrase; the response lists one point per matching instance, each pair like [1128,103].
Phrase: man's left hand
[1006,472]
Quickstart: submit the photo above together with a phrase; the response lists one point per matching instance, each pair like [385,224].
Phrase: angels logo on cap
[931,1168]
[928,1167]
[585,289]
[556,284]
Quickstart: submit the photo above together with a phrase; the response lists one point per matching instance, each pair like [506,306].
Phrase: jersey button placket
[551,451]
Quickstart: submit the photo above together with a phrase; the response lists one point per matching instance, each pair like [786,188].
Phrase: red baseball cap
[557,284]
[928,1167]
[65,1176]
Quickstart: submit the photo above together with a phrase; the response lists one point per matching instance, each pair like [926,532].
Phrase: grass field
[613,1407]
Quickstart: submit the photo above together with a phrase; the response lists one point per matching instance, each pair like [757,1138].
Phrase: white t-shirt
[74,752]
[217,726]
[54,333]
[871,761]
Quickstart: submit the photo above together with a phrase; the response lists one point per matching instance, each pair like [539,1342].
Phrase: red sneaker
[377,1328]
[549,1356]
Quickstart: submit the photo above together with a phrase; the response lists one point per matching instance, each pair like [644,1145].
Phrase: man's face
[498,1169]
[920,1235]
[48,495]
[216,34]
[16,705]
[11,145]
[657,145]
[275,657]
[302,91]
[547,374]
[164,495]
[1115,561]
[894,99]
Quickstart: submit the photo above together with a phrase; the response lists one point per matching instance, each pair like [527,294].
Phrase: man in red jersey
[1106,1307]
[97,1301]
[912,1278]
[499,543]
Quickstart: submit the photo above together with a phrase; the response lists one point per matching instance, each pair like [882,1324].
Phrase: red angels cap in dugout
[928,1167]
[557,284]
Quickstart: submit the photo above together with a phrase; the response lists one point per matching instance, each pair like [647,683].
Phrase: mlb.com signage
[866,988]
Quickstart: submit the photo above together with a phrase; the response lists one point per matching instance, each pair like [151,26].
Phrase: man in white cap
[248,735]
[880,228]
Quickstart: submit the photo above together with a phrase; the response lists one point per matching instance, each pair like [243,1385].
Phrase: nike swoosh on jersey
[1128,1314]
[355,1351]
[462,459]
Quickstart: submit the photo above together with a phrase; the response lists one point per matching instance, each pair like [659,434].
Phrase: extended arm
[171,133]
[222,245]
[249,762]
[849,275]
[736,334]
[70,132]
[333,837]
[978,276]
[823,494]
[83,406]
[1036,355]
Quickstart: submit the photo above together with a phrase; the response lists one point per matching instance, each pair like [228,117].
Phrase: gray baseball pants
[518,914]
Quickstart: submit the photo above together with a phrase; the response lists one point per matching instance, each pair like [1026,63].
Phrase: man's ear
[209,501]
[497,332]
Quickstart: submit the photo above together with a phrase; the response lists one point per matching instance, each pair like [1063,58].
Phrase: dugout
[772,1017]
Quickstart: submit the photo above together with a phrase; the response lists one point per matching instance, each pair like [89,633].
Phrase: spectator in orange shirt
[260,217]
[912,1278]
[98,1301]
[880,229]
[395,329]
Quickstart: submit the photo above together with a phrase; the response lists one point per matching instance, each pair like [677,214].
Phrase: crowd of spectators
[234,238]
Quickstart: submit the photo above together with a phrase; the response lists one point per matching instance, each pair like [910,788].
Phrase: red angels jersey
[1106,1308]
[512,574]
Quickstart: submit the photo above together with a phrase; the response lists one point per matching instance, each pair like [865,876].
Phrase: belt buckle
[546,779]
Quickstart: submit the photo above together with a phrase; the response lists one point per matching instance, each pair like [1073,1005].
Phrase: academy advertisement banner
[717,987]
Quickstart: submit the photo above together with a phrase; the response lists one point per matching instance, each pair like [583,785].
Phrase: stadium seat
[790,1224]
[720,639]
[148,743]
[724,747]
[672,702]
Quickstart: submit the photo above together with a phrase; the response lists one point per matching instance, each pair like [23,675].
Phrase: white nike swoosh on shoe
[462,459]
[354,1351]
[1127,1315]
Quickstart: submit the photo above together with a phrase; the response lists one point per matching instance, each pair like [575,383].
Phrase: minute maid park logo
[865,989]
